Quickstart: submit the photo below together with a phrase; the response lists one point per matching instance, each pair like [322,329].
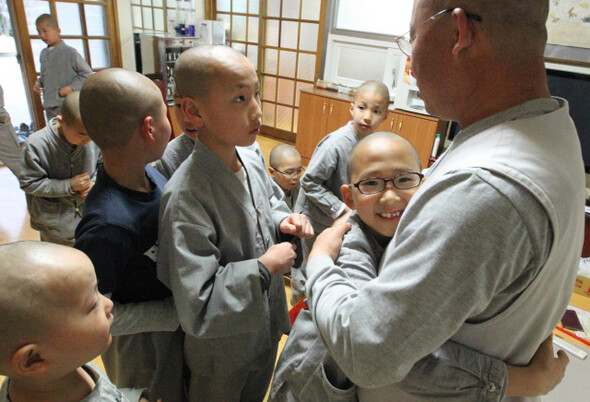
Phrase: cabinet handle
[324,108]
[331,109]
[399,128]
[391,124]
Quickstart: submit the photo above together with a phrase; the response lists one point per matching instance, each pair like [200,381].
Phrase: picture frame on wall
[568,29]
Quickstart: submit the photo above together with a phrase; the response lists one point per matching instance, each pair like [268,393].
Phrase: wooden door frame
[25,52]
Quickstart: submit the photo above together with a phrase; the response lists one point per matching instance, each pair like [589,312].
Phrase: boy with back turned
[219,229]
[126,117]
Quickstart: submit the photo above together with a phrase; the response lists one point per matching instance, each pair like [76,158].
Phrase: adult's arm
[451,256]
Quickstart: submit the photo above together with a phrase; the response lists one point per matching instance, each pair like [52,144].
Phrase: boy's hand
[84,193]
[279,258]
[297,225]
[330,240]
[37,87]
[80,182]
[65,91]
[542,374]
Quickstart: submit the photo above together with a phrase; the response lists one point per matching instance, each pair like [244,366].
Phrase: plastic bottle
[435,146]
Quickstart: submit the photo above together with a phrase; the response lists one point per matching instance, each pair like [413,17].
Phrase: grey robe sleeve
[10,151]
[34,179]
[82,70]
[321,167]
[150,316]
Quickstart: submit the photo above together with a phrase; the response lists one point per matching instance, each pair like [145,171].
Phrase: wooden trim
[25,55]
[320,45]
[115,41]
[278,134]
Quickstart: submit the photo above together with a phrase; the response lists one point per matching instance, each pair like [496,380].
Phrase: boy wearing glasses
[383,172]
[320,197]
[286,169]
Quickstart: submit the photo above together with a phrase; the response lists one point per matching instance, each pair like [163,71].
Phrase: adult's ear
[464,31]
[191,111]
[271,171]
[346,190]
[27,360]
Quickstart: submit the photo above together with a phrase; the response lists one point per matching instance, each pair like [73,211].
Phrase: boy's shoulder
[344,136]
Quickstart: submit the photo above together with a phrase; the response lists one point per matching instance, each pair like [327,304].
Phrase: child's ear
[351,109]
[147,127]
[27,360]
[346,190]
[191,111]
[60,120]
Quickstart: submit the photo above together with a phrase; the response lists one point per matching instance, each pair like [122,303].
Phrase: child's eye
[257,94]
[241,98]
[361,107]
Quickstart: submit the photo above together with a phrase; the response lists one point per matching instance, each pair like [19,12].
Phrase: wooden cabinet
[318,116]
[322,112]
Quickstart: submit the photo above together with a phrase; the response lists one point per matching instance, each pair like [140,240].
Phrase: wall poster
[568,29]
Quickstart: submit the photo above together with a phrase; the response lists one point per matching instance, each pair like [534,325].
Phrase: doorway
[11,78]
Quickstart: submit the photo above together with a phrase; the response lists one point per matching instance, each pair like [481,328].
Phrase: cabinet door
[389,122]
[338,115]
[418,131]
[311,124]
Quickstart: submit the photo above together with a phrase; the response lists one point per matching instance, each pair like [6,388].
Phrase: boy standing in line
[126,117]
[63,70]
[58,170]
[220,225]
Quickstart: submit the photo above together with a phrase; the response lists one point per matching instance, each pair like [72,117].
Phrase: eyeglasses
[291,173]
[405,43]
[402,181]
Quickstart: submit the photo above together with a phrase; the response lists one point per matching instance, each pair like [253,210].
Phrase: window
[380,17]
[283,40]
[89,26]
[157,15]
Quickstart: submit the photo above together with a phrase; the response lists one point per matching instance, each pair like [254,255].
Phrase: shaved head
[70,109]
[375,87]
[113,104]
[514,28]
[363,145]
[280,152]
[197,67]
[34,278]
[47,19]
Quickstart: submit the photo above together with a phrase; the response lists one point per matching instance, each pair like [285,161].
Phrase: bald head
[375,87]
[280,152]
[196,68]
[514,28]
[48,20]
[113,104]
[34,278]
[366,143]
[70,109]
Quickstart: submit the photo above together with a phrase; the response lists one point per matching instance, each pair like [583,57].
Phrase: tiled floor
[14,218]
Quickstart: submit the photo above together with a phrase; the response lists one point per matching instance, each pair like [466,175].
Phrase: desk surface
[575,385]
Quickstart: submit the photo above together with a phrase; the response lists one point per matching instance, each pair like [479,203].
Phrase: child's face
[288,173]
[76,133]
[381,158]
[230,115]
[185,125]
[48,34]
[368,111]
[82,318]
